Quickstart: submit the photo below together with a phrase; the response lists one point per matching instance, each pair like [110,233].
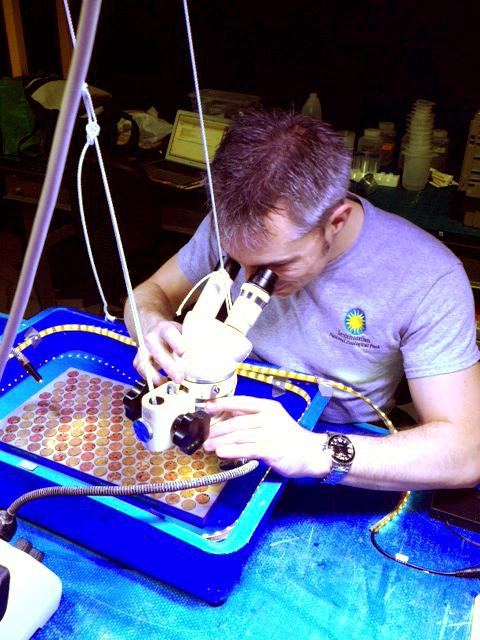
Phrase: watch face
[342,448]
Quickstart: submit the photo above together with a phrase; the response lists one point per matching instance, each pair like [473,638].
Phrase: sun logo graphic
[355,322]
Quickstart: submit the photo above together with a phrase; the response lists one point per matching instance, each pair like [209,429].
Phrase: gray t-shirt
[396,301]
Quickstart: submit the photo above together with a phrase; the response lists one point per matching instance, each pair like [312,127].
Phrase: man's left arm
[442,451]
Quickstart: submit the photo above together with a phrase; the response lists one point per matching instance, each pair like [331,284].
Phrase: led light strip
[304,377]
[102,331]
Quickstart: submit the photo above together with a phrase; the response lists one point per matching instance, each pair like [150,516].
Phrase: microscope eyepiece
[265,279]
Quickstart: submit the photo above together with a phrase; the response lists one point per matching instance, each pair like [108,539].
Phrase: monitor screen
[186,142]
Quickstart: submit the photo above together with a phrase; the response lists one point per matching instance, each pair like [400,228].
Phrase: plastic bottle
[370,142]
[440,144]
[348,138]
[312,107]
[388,135]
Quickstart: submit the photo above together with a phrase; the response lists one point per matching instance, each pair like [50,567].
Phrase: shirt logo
[355,322]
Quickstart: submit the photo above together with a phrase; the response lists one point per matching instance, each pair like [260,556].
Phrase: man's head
[277,159]
[280,182]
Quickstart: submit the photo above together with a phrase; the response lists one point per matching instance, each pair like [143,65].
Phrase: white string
[70,23]
[92,138]
[195,287]
[131,298]
[204,144]
[93,130]
[108,316]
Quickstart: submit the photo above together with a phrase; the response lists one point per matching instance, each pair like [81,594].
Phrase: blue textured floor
[312,575]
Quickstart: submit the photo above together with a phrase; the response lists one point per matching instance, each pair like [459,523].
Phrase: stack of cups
[418,148]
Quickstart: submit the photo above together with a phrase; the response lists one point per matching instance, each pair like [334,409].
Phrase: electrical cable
[449,526]
[8,516]
[467,572]
[134,489]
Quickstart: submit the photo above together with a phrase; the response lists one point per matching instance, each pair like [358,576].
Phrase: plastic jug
[312,107]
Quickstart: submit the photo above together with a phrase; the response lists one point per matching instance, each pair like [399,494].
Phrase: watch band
[339,469]
[335,475]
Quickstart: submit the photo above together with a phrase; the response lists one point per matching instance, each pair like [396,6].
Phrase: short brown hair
[276,157]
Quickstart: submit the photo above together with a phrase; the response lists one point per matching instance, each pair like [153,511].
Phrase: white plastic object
[212,349]
[214,293]
[34,594]
[387,179]
[312,107]
[370,142]
[475,625]
[372,133]
[363,163]
[416,169]
[418,141]
[159,417]
[247,307]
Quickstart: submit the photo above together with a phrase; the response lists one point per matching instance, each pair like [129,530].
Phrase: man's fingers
[246,421]
[172,335]
[248,450]
[235,437]
[150,369]
[244,404]
[164,360]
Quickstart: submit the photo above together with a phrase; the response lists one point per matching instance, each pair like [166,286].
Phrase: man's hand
[163,340]
[262,429]
[157,298]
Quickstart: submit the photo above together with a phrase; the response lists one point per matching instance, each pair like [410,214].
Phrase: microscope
[174,414]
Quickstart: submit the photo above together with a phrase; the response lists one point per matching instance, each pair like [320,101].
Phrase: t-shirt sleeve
[441,336]
[199,256]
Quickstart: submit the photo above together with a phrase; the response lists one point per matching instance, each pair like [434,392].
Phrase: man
[362,296]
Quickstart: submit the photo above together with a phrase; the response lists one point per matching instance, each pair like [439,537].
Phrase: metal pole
[56,164]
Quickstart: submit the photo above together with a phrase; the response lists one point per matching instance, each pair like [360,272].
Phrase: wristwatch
[342,452]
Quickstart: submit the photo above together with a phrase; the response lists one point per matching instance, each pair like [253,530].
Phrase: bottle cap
[440,133]
[387,126]
[371,133]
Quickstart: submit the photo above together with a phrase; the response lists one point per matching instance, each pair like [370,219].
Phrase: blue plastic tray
[140,533]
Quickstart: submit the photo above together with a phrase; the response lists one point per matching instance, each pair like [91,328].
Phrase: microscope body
[173,414]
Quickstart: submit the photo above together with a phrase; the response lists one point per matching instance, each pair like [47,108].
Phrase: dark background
[368,60]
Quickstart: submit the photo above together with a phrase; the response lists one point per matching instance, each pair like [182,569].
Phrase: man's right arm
[157,300]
